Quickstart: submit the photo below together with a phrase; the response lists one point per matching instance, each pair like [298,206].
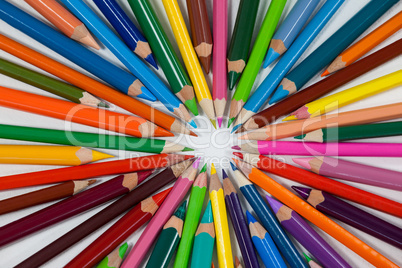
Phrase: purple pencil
[351,215]
[350,171]
[239,223]
[306,235]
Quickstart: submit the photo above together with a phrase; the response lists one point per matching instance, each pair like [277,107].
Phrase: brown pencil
[200,31]
[43,196]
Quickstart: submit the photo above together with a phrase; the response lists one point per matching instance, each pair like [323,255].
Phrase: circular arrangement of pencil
[164,192]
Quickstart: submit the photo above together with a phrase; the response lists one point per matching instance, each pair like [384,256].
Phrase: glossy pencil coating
[239,223]
[352,215]
[123,25]
[256,58]
[122,80]
[200,31]
[204,240]
[315,217]
[154,227]
[289,29]
[239,47]
[164,52]
[270,255]
[115,258]
[351,171]
[268,220]
[168,240]
[129,59]
[334,45]
[306,235]
[193,215]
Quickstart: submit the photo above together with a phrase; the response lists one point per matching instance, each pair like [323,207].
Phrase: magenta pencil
[165,211]
[322,149]
[350,171]
[220,26]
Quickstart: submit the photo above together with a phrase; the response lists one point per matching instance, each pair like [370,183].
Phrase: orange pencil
[64,21]
[366,44]
[79,113]
[314,216]
[91,85]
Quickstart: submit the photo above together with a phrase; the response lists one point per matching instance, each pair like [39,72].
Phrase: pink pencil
[220,26]
[163,214]
[322,149]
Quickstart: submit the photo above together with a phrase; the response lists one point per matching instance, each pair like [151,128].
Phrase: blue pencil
[289,29]
[126,29]
[128,58]
[332,47]
[123,81]
[264,244]
[269,220]
[262,93]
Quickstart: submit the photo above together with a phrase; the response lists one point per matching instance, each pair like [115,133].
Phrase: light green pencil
[193,216]
[115,258]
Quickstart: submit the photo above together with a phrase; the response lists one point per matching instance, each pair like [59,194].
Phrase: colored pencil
[323,87]
[264,244]
[129,59]
[92,86]
[311,262]
[154,227]
[348,96]
[367,43]
[197,196]
[219,65]
[289,29]
[352,215]
[64,21]
[164,52]
[306,235]
[73,51]
[239,223]
[115,258]
[190,58]
[223,244]
[306,37]
[127,30]
[356,117]
[322,149]
[168,240]
[323,183]
[90,170]
[68,208]
[314,216]
[330,49]
[200,31]
[269,221]
[204,240]
[353,132]
[239,47]
[42,196]
[256,58]
[49,84]
[78,113]
[238,263]
[351,171]
[93,140]
[120,231]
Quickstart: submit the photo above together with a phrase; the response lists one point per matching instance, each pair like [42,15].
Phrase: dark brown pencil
[200,31]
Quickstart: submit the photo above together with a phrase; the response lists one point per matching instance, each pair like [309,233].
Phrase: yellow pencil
[348,96]
[48,155]
[190,58]
[223,245]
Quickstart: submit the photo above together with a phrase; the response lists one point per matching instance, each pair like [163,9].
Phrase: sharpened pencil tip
[103,105]
[197,162]
[271,56]
[233,166]
[231,121]
[193,124]
[235,128]
[236,147]
[224,175]
[187,149]
[151,60]
[213,122]
[193,134]
[239,155]
[325,73]
[204,168]
[219,119]
[289,118]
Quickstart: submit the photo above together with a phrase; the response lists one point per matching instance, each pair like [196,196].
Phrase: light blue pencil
[265,89]
[289,29]
[128,58]
[58,42]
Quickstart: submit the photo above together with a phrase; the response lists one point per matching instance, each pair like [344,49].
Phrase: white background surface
[213,145]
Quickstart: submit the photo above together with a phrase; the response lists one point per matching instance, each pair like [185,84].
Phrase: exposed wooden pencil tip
[193,134]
